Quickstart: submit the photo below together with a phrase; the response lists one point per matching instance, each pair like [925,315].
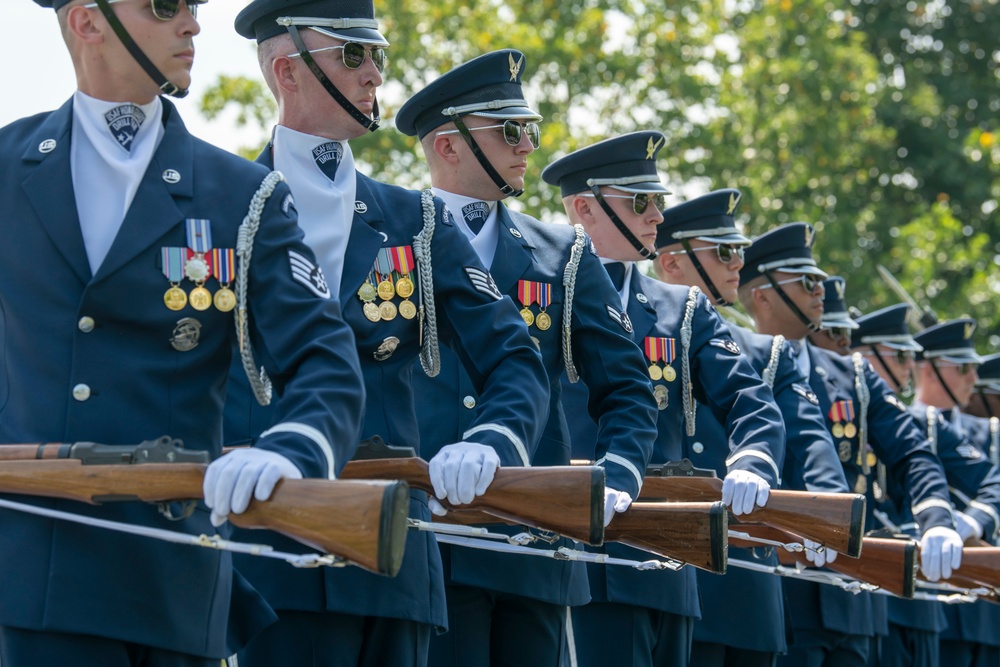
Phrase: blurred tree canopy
[874,120]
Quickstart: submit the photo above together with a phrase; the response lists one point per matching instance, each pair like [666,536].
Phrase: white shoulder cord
[569,288]
[772,363]
[864,399]
[687,391]
[995,441]
[259,382]
[430,354]
[932,431]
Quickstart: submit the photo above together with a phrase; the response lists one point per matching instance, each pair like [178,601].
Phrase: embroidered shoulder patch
[288,204]
[621,318]
[309,274]
[727,344]
[892,399]
[967,451]
[446,218]
[805,392]
[483,282]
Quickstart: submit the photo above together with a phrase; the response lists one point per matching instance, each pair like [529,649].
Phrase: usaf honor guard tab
[124,122]
[327,157]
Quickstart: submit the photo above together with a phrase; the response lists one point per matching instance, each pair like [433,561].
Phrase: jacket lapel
[643,315]
[154,210]
[513,255]
[363,244]
[49,188]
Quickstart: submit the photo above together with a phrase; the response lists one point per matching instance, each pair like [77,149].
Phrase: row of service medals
[529,292]
[389,278]
[660,349]
[198,262]
[842,415]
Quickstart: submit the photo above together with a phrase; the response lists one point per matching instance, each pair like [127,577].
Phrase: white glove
[742,488]
[460,472]
[968,528]
[231,479]
[940,552]
[817,554]
[614,501]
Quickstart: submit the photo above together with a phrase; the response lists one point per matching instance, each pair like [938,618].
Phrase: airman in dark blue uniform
[946,377]
[743,616]
[118,289]
[780,288]
[986,400]
[612,188]
[836,324]
[409,282]
[477,132]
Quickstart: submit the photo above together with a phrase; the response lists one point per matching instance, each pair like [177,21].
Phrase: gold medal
[661,395]
[175,298]
[371,312]
[861,484]
[404,287]
[669,374]
[224,299]
[655,373]
[407,310]
[872,459]
[837,430]
[367,292]
[844,451]
[543,321]
[527,316]
[387,311]
[850,430]
[386,291]
[201,298]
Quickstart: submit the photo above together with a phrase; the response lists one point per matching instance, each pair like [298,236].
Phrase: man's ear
[284,74]
[444,147]
[668,263]
[80,23]
[582,208]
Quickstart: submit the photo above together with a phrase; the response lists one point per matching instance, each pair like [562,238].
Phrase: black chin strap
[505,188]
[986,403]
[892,376]
[370,124]
[140,57]
[791,305]
[944,384]
[719,301]
[622,227]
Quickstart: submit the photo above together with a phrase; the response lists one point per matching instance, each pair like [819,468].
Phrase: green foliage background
[874,120]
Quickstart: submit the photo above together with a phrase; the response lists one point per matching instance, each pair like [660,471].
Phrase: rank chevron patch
[307,273]
[483,282]
[620,317]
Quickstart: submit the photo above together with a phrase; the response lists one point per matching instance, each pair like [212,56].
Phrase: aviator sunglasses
[354,55]
[164,10]
[808,281]
[640,200]
[725,251]
[962,368]
[512,131]
[902,357]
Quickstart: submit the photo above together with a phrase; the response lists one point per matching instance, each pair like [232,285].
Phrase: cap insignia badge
[515,67]
[970,328]
[810,235]
[651,147]
[734,199]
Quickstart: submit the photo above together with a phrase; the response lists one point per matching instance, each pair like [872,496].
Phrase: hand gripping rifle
[835,520]
[363,522]
[568,500]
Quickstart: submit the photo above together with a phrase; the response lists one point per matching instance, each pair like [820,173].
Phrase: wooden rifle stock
[980,565]
[890,564]
[568,500]
[836,520]
[364,522]
[694,533]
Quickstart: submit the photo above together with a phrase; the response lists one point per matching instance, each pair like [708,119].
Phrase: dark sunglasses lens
[354,55]
[167,9]
[511,132]
[903,357]
[534,134]
[727,252]
[378,58]
[837,332]
[963,369]
[641,201]
[808,282]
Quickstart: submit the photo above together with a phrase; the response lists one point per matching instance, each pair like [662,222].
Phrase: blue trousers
[823,648]
[608,633]
[29,648]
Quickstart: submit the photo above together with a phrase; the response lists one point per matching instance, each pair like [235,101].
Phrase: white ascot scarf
[485,242]
[325,207]
[106,176]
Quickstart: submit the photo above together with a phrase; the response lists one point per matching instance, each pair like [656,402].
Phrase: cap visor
[508,113]
[359,35]
[730,238]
